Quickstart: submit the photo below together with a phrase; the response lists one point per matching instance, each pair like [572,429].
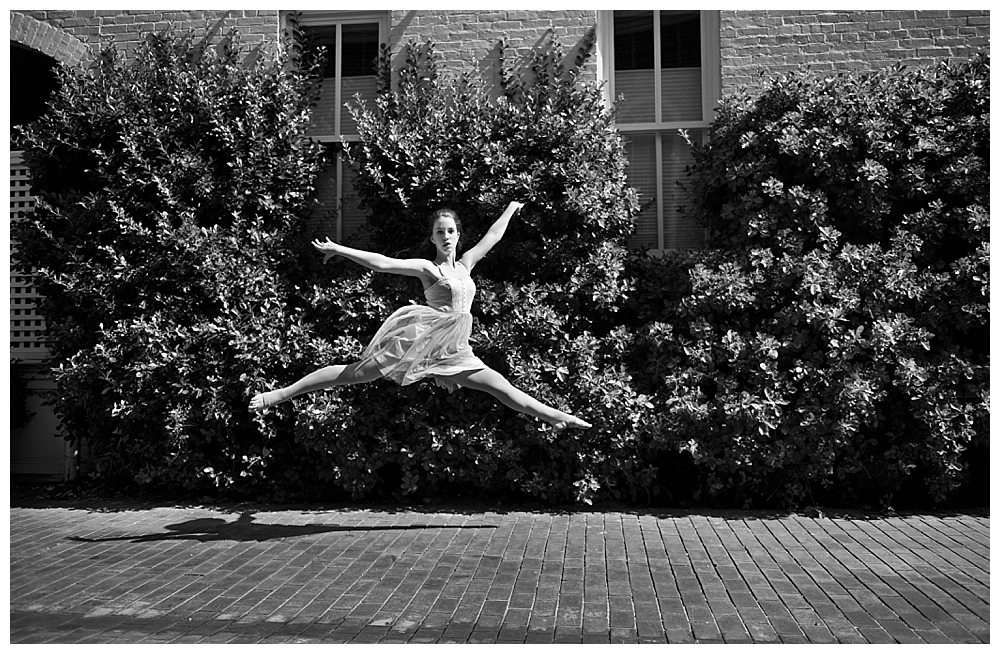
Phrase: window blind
[679,230]
[681,94]
[641,152]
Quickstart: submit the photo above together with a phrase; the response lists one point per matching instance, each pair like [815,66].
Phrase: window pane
[353,88]
[638,90]
[680,62]
[681,95]
[675,155]
[346,211]
[633,32]
[352,218]
[633,40]
[680,39]
[326,37]
[640,149]
[324,222]
[679,230]
[323,117]
[358,52]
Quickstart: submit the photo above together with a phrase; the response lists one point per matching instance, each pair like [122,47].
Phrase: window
[665,67]
[352,41]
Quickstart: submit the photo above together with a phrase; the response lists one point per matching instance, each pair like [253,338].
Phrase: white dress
[432,340]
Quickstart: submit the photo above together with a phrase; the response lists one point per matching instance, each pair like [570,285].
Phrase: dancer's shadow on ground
[245,529]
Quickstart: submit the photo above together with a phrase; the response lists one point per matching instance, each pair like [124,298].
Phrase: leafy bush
[170,190]
[832,346]
[548,293]
[842,319]
[167,242]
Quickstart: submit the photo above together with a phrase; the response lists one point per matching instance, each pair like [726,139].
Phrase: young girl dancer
[432,340]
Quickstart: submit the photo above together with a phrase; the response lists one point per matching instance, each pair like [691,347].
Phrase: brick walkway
[119,574]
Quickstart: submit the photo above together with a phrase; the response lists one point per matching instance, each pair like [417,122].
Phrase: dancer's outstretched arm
[492,237]
[374,261]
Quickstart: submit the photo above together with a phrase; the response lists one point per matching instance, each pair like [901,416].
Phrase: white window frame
[711,90]
[333,18]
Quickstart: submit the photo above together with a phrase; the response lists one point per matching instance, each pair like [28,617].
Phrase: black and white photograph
[477,326]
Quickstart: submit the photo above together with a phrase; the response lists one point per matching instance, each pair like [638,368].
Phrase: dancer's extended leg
[339,375]
[492,382]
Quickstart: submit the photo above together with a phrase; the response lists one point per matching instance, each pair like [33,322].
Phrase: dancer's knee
[363,371]
[487,380]
[492,382]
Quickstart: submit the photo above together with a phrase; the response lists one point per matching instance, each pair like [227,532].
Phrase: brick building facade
[751,41]
[781,41]
[671,67]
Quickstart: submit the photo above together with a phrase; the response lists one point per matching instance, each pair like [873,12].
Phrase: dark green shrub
[167,240]
[171,190]
[842,318]
[830,347]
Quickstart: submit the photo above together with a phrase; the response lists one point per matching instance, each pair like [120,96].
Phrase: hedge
[830,346]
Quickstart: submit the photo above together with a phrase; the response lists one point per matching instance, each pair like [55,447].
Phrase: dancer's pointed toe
[572,423]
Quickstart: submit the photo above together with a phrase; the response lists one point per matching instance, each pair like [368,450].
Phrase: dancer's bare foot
[261,401]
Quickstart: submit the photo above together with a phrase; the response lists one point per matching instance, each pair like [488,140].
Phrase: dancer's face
[445,235]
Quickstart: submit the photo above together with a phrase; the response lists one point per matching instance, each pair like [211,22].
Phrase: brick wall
[775,42]
[127,26]
[48,40]
[768,41]
[460,37]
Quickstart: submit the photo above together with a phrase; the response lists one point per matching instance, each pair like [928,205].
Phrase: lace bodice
[431,340]
[451,294]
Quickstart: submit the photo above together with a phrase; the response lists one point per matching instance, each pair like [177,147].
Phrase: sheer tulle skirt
[418,341]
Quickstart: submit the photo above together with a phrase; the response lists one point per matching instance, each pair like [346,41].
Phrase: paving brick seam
[948,569]
[532,576]
[888,533]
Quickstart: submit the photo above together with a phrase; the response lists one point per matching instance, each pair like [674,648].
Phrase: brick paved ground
[114,574]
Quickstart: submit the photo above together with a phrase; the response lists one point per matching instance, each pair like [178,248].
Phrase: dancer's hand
[516,206]
[327,247]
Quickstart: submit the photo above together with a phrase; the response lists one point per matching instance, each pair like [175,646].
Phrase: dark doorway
[32,82]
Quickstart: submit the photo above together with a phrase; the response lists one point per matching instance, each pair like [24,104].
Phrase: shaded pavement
[129,573]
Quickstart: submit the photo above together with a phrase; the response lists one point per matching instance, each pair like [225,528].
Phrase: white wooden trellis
[27,327]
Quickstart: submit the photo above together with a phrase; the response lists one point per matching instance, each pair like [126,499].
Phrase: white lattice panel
[27,328]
